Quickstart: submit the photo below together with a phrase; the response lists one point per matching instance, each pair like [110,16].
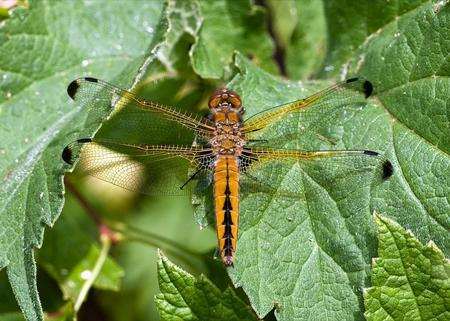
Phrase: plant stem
[128,232]
[106,245]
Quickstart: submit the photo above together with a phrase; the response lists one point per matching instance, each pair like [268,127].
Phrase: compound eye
[235,102]
[214,101]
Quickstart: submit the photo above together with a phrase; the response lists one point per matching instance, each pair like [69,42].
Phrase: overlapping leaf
[310,256]
[228,26]
[42,49]
[185,297]
[410,281]
[329,232]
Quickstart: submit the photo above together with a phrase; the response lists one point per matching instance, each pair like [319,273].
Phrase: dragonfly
[223,146]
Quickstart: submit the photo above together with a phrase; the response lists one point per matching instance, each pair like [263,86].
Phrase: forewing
[142,120]
[148,169]
[348,92]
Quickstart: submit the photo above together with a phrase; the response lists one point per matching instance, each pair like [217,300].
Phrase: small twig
[106,245]
[117,231]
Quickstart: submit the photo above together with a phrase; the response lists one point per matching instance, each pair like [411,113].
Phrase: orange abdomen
[226,205]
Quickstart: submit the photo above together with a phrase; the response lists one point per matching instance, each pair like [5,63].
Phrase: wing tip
[72,89]
[387,167]
[367,86]
[388,170]
[67,153]
[370,152]
[90,79]
[350,80]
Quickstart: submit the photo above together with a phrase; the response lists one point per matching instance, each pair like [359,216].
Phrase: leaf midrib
[410,188]
[32,158]
[405,271]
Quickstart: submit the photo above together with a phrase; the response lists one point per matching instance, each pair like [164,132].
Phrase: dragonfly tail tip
[228,260]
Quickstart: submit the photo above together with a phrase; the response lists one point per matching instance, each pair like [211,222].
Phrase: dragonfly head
[225,100]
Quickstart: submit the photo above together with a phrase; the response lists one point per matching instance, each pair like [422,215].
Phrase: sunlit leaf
[184,297]
[41,50]
[410,281]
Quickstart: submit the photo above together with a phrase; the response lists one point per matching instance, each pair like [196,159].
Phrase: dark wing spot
[73,88]
[368,88]
[349,80]
[91,79]
[371,153]
[388,169]
[67,155]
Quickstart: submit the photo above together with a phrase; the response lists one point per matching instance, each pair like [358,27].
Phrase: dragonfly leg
[190,178]
[326,139]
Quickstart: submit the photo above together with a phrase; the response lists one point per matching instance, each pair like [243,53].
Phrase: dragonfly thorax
[228,138]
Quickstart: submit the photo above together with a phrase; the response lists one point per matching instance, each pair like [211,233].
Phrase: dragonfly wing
[269,170]
[149,169]
[139,115]
[348,92]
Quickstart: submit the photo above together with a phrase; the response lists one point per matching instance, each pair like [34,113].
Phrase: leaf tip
[72,89]
[161,255]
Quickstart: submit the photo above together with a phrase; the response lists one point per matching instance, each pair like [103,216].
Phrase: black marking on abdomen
[227,220]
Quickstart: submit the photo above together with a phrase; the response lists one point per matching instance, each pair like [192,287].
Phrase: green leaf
[407,60]
[307,255]
[13,316]
[228,26]
[319,246]
[351,24]
[41,51]
[410,281]
[185,297]
[299,27]
[169,218]
[72,236]
[72,280]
